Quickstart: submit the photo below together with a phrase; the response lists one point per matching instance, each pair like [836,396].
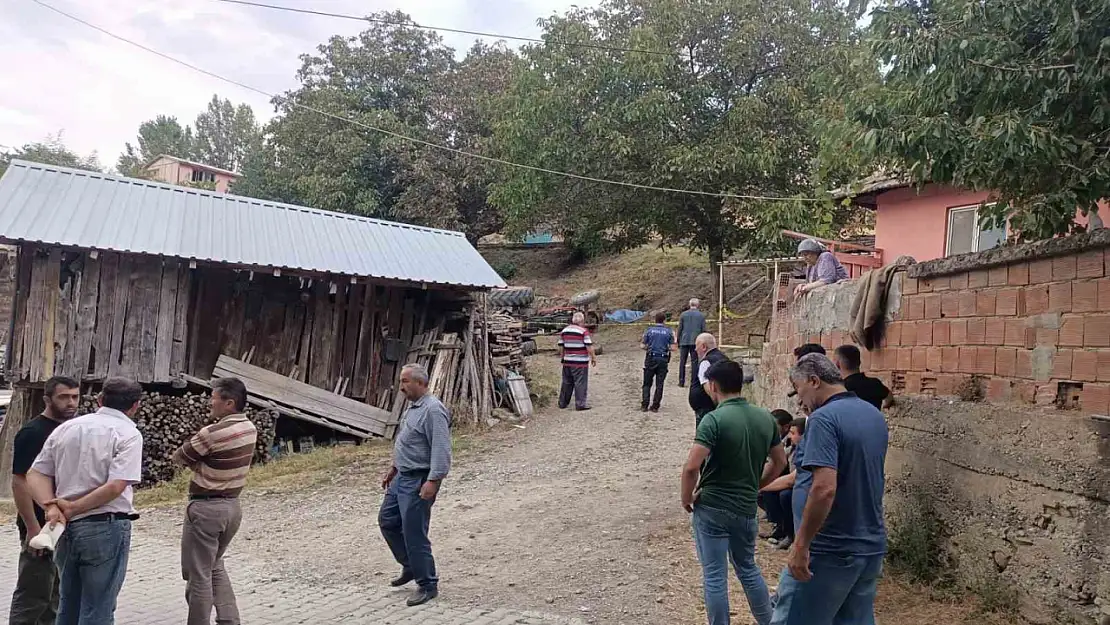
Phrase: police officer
[658,342]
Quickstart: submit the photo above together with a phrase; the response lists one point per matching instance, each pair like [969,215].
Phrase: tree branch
[1043,68]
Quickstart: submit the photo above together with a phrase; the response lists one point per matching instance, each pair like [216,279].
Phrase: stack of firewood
[505,338]
[167,421]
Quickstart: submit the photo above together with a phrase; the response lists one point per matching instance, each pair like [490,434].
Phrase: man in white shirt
[83,477]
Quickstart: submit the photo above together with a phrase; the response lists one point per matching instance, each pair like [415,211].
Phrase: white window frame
[948,226]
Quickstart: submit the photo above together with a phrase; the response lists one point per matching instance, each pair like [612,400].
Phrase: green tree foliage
[51,151]
[401,79]
[225,134]
[1003,96]
[162,135]
[732,108]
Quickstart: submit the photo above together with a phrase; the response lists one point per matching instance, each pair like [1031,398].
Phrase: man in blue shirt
[840,537]
[658,342]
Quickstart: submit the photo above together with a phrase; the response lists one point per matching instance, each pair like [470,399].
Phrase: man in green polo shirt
[726,468]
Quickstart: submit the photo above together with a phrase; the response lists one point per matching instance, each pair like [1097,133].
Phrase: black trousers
[684,352]
[655,370]
[576,382]
[35,600]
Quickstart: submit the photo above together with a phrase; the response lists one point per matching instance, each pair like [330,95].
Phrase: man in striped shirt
[220,456]
[576,348]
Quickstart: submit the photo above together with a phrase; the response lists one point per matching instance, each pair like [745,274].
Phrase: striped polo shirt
[575,341]
[220,456]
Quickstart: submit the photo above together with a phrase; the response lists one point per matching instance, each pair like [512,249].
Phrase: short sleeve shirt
[828,269]
[27,445]
[739,437]
[849,435]
[658,339]
[870,390]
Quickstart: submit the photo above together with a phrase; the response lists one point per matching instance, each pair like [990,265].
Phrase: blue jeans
[92,562]
[403,519]
[841,592]
[719,537]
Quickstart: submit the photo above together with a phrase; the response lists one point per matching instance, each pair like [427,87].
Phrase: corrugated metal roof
[62,206]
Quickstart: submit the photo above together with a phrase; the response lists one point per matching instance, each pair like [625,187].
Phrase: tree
[50,151]
[729,107]
[1007,97]
[162,135]
[225,134]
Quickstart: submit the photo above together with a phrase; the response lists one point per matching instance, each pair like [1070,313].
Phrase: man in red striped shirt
[576,348]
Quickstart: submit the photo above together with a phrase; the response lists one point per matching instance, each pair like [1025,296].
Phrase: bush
[505,269]
[917,535]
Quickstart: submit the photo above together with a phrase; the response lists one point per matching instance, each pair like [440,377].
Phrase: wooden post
[485,373]
[721,304]
[19,412]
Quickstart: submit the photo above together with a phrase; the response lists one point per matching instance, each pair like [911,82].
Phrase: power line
[477,33]
[397,135]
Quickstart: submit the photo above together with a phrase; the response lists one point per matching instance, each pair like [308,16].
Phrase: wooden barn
[317,311]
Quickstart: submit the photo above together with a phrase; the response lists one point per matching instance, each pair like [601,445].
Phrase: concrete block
[1041,363]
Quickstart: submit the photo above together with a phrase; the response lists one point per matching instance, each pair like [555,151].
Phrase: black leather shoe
[643,408]
[655,408]
[405,578]
[422,596]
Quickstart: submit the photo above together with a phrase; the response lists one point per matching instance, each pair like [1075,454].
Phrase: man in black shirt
[35,600]
[870,390]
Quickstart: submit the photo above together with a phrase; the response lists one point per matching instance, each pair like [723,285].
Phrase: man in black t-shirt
[35,599]
[870,390]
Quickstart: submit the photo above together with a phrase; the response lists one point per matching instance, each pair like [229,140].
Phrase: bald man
[708,355]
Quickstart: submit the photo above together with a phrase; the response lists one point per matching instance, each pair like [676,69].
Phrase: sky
[61,76]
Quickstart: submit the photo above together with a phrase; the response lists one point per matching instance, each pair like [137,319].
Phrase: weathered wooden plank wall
[90,318]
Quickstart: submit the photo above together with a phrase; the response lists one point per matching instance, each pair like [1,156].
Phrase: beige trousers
[209,526]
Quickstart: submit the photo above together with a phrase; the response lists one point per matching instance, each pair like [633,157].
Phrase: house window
[965,235]
[199,175]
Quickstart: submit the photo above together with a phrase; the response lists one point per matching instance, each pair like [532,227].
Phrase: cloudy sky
[61,76]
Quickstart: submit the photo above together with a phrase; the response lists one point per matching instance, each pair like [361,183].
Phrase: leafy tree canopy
[1003,96]
[52,151]
[158,136]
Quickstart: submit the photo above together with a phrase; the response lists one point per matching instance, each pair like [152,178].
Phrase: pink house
[929,222]
[173,170]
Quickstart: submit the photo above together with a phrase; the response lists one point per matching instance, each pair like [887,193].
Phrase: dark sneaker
[405,578]
[643,408]
[655,408]
[785,543]
[585,408]
[422,595]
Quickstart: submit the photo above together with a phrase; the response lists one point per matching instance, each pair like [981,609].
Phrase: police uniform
[658,339]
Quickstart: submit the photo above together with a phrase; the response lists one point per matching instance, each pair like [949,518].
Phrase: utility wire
[397,135]
[477,33]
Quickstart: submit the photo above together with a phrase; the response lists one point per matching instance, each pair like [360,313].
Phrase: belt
[663,355]
[107,516]
[207,497]
[414,472]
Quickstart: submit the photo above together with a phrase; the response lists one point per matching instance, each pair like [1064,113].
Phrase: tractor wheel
[585,297]
[527,348]
[512,297]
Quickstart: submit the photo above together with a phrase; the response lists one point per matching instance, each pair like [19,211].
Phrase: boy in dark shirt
[35,599]
[870,390]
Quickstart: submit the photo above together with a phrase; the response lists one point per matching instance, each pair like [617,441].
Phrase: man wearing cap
[822,267]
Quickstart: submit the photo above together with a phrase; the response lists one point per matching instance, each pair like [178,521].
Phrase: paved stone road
[154,595]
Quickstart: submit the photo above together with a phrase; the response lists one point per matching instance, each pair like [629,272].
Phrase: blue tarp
[624,316]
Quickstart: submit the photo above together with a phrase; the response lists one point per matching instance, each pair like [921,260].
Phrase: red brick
[1027,392]
[1064,268]
[941,336]
[998,276]
[958,281]
[958,331]
[1084,365]
[941,283]
[968,300]
[1061,364]
[984,360]
[950,359]
[1084,296]
[892,336]
[932,306]
[986,303]
[1036,299]
[904,360]
[919,358]
[1096,331]
[947,384]
[1059,297]
[1103,365]
[1005,361]
[950,304]
[913,308]
[1047,337]
[976,331]
[1018,274]
[1071,331]
[1015,332]
[1090,264]
[1045,394]
[924,333]
[1007,302]
[934,359]
[978,279]
[1104,294]
[866,358]
[967,360]
[1040,271]
[924,285]
[909,286]
[913,383]
[996,331]
[1095,398]
[1023,367]
[999,390]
